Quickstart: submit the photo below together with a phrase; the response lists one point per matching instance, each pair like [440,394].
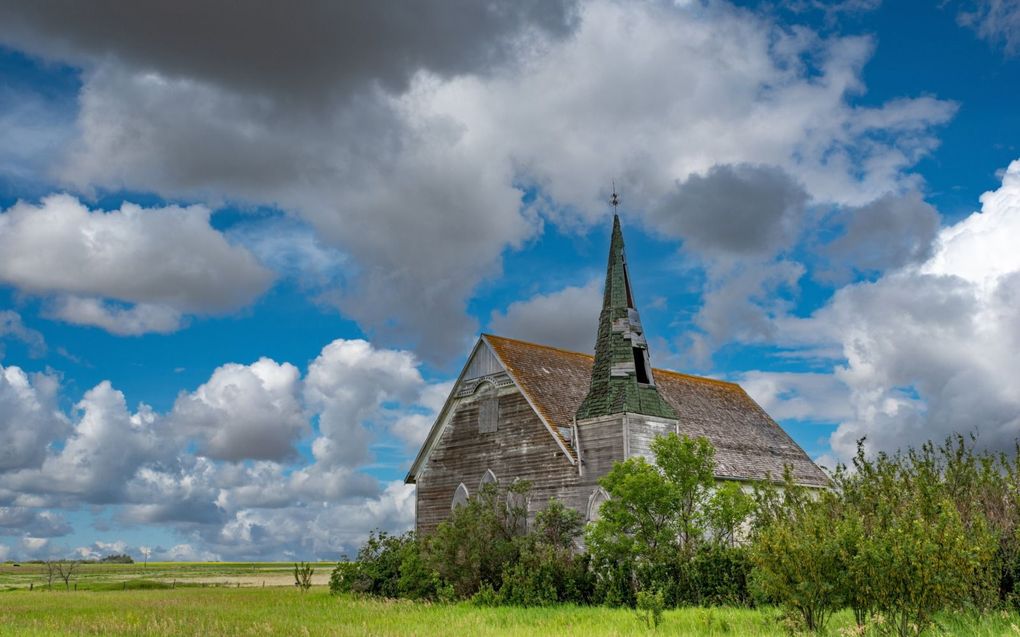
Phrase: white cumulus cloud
[163,261]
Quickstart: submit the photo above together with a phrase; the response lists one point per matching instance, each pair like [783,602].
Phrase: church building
[560,419]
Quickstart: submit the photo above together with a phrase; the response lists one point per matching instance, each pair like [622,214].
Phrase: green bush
[657,521]
[799,563]
[377,570]
[342,577]
[547,570]
[718,575]
[476,543]
[650,606]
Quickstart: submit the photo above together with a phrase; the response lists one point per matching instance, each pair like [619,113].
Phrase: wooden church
[560,419]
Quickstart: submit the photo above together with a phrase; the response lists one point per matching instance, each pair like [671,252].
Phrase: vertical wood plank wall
[521,447]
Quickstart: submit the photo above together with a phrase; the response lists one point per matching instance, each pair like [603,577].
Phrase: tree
[654,519]
[51,572]
[146,552]
[727,512]
[65,570]
[558,525]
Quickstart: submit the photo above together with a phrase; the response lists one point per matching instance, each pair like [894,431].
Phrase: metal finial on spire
[615,199]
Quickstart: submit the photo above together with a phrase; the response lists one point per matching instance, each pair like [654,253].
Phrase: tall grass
[285,611]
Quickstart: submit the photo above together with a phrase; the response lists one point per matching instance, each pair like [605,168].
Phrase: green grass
[286,611]
[180,598]
[155,574]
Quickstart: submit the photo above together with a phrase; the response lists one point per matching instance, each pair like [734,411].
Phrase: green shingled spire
[621,378]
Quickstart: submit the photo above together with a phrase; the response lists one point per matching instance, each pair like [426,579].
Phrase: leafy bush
[342,577]
[650,605]
[657,520]
[377,569]
[799,562]
[473,546]
[718,575]
[547,570]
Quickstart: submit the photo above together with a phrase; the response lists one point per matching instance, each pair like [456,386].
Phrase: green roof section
[621,379]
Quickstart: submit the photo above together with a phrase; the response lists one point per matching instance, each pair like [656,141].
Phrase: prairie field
[231,599]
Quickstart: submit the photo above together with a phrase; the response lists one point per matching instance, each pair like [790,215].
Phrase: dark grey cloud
[890,232]
[449,112]
[290,51]
[32,522]
[734,210]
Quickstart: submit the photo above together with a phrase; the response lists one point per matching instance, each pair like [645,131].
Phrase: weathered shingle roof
[749,445]
[620,349]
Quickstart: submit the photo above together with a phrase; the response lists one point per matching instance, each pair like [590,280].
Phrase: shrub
[547,570]
[718,575]
[476,543]
[799,562]
[650,605]
[303,576]
[342,577]
[377,569]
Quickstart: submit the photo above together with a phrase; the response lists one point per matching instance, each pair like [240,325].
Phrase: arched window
[460,496]
[488,478]
[488,408]
[595,501]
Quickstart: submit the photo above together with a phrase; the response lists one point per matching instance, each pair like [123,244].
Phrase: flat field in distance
[161,575]
[230,599]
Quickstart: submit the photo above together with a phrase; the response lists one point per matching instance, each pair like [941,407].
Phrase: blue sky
[242,257]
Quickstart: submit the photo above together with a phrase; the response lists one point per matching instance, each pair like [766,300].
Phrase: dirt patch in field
[268,579]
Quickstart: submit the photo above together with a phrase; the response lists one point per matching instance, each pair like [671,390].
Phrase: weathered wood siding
[641,430]
[521,447]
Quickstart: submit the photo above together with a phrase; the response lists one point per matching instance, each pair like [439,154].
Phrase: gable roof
[749,445]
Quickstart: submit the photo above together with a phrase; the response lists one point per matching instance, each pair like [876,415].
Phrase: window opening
[639,366]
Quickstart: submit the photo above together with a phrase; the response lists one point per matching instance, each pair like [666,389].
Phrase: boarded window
[488,408]
[460,496]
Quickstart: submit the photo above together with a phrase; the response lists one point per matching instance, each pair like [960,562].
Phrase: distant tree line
[896,538]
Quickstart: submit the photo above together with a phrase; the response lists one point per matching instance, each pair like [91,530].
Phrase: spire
[621,379]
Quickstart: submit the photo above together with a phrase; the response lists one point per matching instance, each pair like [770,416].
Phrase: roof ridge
[692,377]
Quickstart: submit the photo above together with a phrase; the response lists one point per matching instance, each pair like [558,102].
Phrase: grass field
[161,575]
[101,606]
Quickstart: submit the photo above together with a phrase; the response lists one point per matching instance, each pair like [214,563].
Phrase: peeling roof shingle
[749,445]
